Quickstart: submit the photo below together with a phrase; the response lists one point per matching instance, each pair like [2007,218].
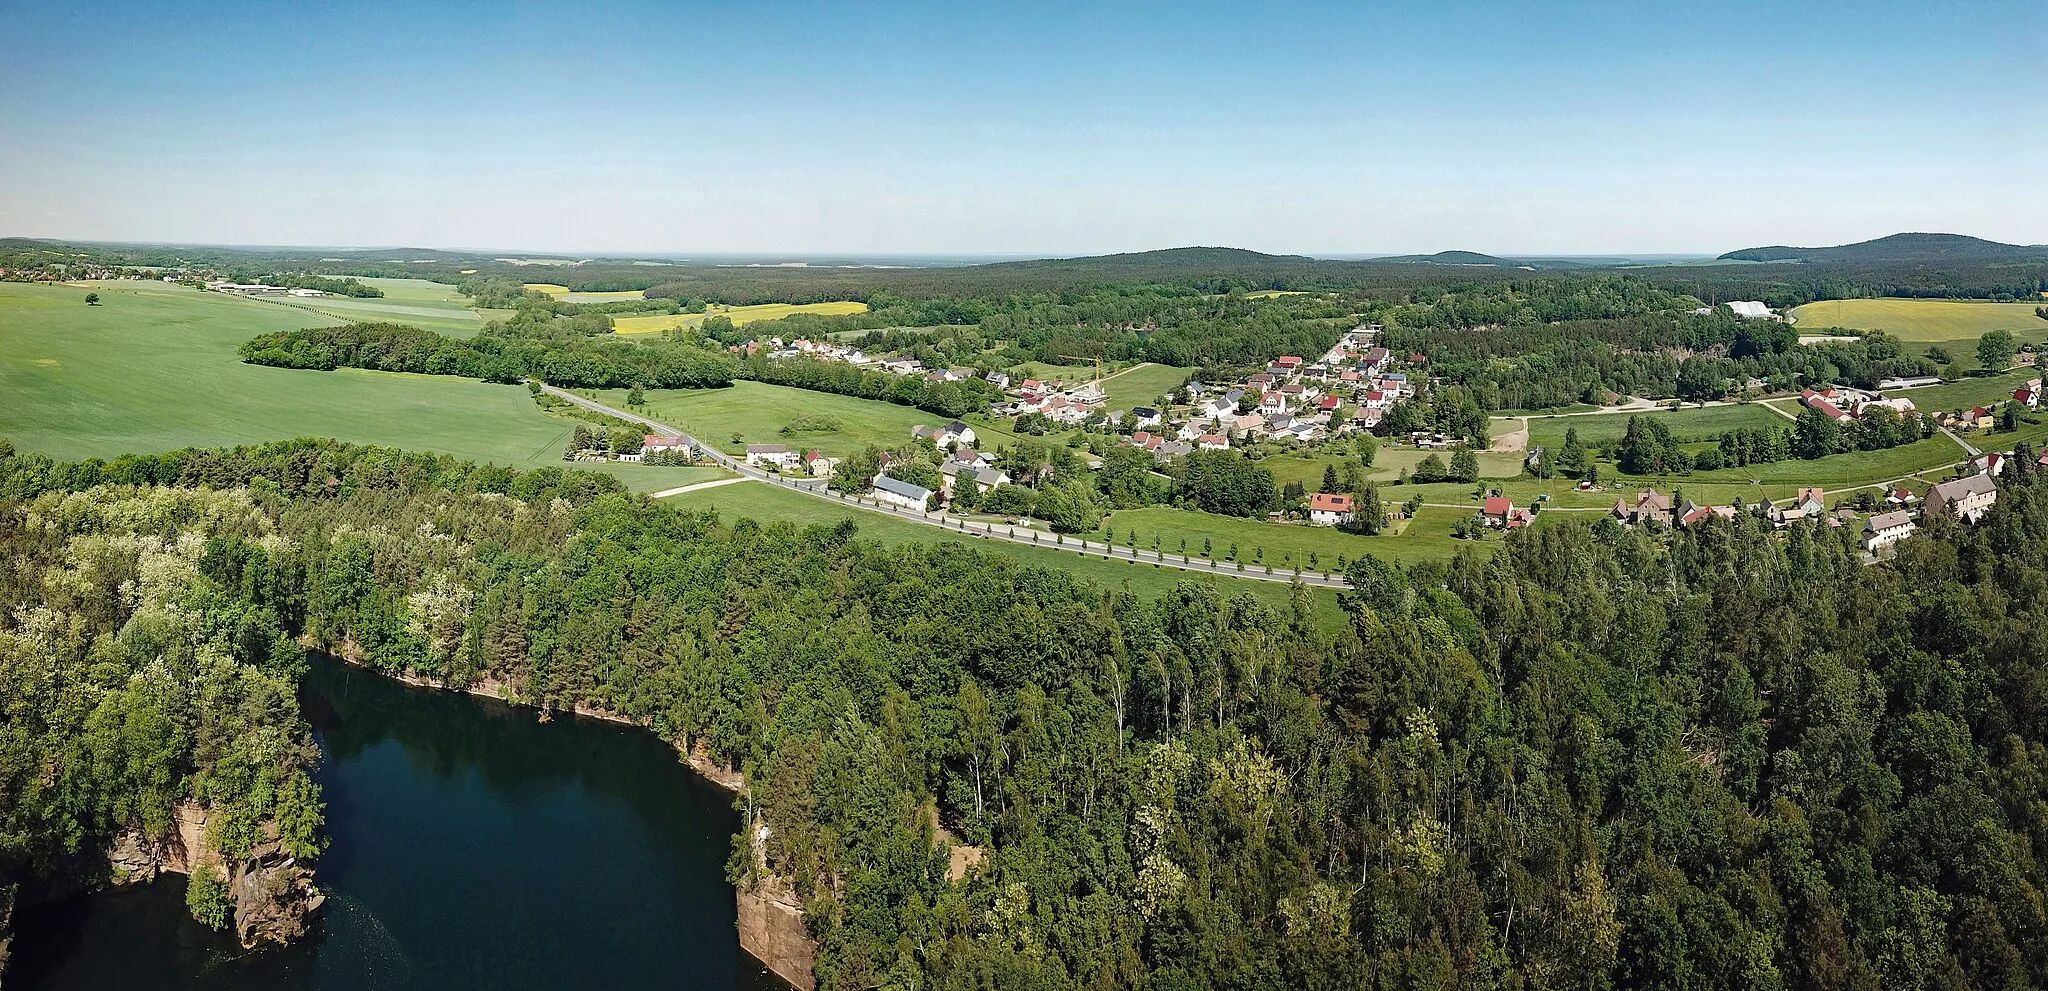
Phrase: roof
[1329,502]
[767,448]
[660,440]
[902,488]
[1886,521]
[1969,485]
[1497,506]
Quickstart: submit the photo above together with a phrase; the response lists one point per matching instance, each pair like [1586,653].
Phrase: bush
[206,897]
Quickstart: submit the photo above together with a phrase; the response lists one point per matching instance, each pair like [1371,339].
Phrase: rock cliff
[271,894]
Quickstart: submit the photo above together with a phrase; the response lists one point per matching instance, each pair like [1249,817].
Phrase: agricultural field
[427,305]
[1143,384]
[1929,320]
[153,368]
[1387,465]
[1691,424]
[739,315]
[758,412]
[753,500]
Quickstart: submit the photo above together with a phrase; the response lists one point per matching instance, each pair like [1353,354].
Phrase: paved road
[968,528]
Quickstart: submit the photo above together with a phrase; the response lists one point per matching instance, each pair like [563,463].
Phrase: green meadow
[428,305]
[1686,425]
[1285,545]
[759,413]
[153,368]
[1142,385]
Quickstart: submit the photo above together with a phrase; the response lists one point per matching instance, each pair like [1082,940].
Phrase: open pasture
[153,368]
[1689,424]
[1142,385]
[758,412]
[1284,545]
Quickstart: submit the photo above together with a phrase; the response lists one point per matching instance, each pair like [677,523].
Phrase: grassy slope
[764,502]
[427,305]
[1698,423]
[1427,536]
[758,412]
[154,369]
[1968,392]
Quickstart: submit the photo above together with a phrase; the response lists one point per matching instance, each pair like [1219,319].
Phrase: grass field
[1930,320]
[1387,465]
[426,305]
[1695,424]
[1968,392]
[758,412]
[767,502]
[1427,536]
[1142,385]
[739,315]
[153,368]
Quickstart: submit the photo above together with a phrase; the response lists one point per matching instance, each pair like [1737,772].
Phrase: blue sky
[1043,129]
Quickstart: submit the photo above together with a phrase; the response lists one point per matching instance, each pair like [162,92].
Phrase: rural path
[1513,441]
[815,487]
[1966,445]
[1133,368]
[693,487]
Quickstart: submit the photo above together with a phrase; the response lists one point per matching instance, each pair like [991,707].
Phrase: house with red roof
[1329,509]
[1496,511]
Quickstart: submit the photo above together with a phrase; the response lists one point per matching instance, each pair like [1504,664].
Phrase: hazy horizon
[800,129]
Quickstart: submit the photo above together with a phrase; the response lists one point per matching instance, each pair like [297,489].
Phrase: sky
[1028,129]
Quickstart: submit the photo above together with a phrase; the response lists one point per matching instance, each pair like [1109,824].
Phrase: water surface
[473,846]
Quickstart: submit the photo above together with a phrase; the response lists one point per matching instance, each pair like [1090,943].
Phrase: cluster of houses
[1841,403]
[258,289]
[1964,499]
[963,467]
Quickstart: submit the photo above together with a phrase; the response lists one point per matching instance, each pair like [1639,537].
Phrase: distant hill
[1202,259]
[1898,248]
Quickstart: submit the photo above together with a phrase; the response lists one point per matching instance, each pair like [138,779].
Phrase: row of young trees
[1735,759]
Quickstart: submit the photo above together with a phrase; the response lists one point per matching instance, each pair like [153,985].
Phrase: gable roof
[1329,502]
[1966,486]
[902,488]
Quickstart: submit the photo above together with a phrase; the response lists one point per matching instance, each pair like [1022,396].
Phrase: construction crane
[1097,359]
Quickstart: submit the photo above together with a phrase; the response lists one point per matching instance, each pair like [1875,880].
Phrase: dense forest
[1732,758]
[569,362]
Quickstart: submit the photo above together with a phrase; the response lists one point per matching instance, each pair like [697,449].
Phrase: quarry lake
[473,846]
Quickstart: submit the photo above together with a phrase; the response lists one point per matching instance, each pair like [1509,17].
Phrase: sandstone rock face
[772,930]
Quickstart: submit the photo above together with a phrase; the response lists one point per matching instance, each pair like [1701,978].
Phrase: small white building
[1329,509]
[777,456]
[902,493]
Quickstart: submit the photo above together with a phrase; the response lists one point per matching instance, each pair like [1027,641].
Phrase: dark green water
[473,847]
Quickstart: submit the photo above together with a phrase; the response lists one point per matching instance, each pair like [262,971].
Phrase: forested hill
[1899,248]
[1453,258]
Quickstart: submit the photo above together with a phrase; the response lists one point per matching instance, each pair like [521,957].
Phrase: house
[1650,505]
[1259,381]
[952,472]
[2029,396]
[1145,415]
[1213,442]
[1811,501]
[1965,499]
[1328,404]
[777,456]
[657,443]
[1374,359]
[1089,394]
[1520,516]
[902,366]
[1368,419]
[1272,402]
[902,493]
[1285,366]
[954,434]
[1901,498]
[998,379]
[1496,511]
[1824,401]
[1329,509]
[817,465]
[1990,463]
[1886,528]
[1170,450]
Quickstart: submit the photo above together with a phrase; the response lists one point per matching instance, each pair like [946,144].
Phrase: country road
[815,487]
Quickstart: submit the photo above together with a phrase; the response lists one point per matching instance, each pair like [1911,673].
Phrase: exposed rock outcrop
[772,930]
[273,894]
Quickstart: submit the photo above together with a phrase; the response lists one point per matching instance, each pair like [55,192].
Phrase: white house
[817,465]
[657,443]
[1886,528]
[954,434]
[778,456]
[901,493]
[1329,509]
